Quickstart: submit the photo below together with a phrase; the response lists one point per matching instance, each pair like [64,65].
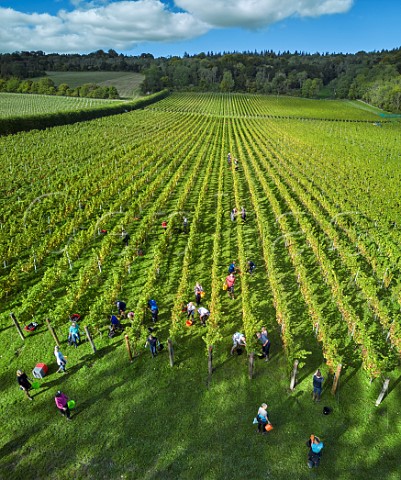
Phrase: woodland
[374,77]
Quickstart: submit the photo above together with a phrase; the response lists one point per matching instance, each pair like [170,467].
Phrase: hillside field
[22,104]
[320,184]
[127,83]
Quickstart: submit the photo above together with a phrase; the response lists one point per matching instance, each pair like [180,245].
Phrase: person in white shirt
[238,341]
[203,315]
[191,311]
[262,418]
[61,361]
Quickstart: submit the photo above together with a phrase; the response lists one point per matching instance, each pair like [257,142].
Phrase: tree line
[36,63]
[46,86]
[374,77]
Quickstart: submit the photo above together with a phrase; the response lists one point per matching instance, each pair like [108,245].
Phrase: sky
[175,27]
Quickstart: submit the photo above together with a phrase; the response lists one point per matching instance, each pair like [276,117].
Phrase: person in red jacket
[62,404]
[230,282]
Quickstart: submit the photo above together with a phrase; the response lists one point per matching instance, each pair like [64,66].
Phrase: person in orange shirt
[230,282]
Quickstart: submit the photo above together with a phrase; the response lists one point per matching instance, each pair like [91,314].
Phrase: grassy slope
[16,104]
[127,83]
[145,420]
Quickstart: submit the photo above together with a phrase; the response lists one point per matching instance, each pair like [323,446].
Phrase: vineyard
[319,182]
[246,105]
[20,104]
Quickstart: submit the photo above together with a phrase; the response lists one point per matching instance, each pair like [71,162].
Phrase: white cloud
[258,13]
[118,25]
[102,24]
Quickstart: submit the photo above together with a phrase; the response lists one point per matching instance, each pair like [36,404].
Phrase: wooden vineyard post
[90,339]
[51,330]
[128,347]
[251,365]
[336,379]
[294,375]
[383,392]
[17,326]
[170,352]
[210,361]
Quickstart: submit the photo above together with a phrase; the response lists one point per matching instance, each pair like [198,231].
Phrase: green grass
[127,83]
[147,420]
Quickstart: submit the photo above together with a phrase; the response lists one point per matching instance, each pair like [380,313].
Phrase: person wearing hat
[262,418]
[24,383]
[61,360]
[317,382]
[62,404]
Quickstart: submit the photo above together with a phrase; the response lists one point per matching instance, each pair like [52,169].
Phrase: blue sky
[167,27]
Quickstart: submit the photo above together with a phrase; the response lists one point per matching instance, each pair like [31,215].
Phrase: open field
[17,104]
[323,228]
[127,83]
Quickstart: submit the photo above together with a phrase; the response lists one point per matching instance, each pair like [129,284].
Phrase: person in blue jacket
[73,334]
[121,307]
[232,268]
[251,266]
[154,309]
[317,382]
[315,451]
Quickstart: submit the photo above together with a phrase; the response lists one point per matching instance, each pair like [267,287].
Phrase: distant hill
[127,83]
[374,77]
